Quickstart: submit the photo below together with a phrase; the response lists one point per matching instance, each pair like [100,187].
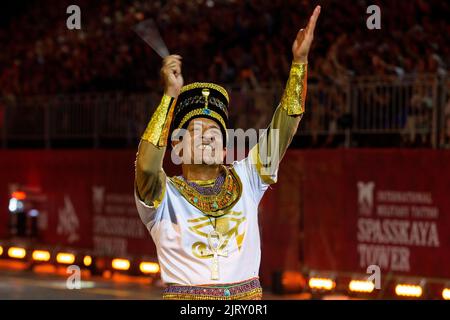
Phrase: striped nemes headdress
[202,100]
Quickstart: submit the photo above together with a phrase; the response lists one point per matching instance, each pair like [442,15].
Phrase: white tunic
[180,231]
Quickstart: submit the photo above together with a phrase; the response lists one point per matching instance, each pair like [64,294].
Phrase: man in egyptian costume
[205,222]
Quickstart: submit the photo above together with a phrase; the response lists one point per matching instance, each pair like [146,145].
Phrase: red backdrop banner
[331,209]
[389,208]
[86,198]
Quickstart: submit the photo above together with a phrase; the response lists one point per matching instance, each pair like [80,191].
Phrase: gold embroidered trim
[159,199]
[157,130]
[256,161]
[293,100]
[197,85]
[197,112]
[255,294]
[204,182]
[212,205]
[230,284]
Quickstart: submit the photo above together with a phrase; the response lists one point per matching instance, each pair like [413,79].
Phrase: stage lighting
[288,282]
[17,253]
[1,250]
[33,213]
[65,258]
[446,294]
[19,195]
[40,255]
[149,267]
[15,205]
[361,286]
[321,283]
[408,290]
[16,201]
[87,260]
[120,264]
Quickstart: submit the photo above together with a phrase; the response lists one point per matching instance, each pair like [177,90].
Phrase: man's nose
[207,138]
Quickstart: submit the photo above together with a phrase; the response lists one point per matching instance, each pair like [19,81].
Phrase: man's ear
[176,137]
[178,149]
[175,142]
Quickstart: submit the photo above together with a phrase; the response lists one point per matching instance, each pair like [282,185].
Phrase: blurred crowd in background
[244,45]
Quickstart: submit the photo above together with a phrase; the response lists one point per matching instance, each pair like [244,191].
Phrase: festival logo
[365,197]
[68,222]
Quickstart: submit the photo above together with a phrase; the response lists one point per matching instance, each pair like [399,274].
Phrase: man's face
[202,143]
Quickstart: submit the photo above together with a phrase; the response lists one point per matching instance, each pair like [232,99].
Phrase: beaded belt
[245,290]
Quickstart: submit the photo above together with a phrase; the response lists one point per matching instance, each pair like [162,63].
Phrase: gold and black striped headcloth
[202,100]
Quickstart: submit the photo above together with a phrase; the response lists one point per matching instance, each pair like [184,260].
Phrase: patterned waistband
[245,290]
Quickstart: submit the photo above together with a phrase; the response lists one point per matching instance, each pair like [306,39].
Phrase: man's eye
[215,132]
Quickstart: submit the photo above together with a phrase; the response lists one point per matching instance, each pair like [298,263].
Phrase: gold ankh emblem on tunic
[215,251]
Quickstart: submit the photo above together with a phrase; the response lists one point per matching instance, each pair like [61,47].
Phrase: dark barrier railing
[412,111]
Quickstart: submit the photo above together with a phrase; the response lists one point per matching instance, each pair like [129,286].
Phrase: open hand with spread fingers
[302,43]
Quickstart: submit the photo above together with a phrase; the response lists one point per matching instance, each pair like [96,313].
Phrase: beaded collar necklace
[212,200]
[207,190]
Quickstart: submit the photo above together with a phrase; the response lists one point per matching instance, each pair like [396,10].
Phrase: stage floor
[29,285]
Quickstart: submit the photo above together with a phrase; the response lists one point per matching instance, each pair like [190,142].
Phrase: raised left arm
[272,146]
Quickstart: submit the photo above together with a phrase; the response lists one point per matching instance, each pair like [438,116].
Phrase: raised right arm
[150,179]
